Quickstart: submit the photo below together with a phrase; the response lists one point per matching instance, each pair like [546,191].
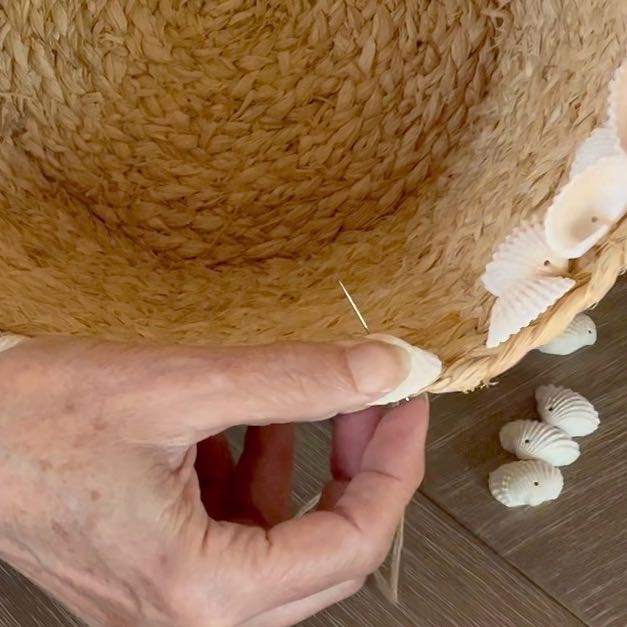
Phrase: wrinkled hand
[120,496]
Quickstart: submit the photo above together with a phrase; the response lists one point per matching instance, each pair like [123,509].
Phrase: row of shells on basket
[528,271]
[543,447]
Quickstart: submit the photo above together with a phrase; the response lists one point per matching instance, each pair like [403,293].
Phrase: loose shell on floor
[587,208]
[530,439]
[523,255]
[579,333]
[521,306]
[526,483]
[602,142]
[571,412]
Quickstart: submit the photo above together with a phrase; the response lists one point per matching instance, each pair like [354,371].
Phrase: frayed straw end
[388,588]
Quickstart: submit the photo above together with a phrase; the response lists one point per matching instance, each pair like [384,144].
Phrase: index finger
[324,548]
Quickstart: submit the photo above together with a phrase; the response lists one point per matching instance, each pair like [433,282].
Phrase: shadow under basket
[206,172]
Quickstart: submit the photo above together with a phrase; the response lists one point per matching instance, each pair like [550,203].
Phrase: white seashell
[602,142]
[567,410]
[579,333]
[9,340]
[523,255]
[425,369]
[521,306]
[526,483]
[617,116]
[587,207]
[530,439]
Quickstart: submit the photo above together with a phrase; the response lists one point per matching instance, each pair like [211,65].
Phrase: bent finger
[351,435]
[324,548]
[262,482]
[214,466]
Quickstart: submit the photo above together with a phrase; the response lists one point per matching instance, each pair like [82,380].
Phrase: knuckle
[306,368]
[353,587]
[374,557]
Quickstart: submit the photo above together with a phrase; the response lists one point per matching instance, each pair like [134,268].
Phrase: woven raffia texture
[205,171]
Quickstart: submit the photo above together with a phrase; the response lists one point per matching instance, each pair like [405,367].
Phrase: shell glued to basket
[182,175]
[528,271]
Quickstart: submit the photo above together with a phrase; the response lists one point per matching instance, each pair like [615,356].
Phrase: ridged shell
[523,255]
[526,483]
[618,105]
[571,412]
[530,439]
[521,306]
[579,333]
[587,207]
[602,142]
[425,369]
[8,340]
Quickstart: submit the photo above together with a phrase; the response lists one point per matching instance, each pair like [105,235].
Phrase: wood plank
[449,577]
[23,605]
[576,547]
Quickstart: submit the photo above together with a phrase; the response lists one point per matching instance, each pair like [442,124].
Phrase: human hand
[104,484]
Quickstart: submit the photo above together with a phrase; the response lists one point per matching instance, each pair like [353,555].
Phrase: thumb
[213,389]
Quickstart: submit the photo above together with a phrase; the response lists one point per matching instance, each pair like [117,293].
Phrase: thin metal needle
[354,306]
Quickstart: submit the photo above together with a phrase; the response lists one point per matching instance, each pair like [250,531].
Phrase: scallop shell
[567,410]
[587,207]
[9,340]
[526,483]
[524,254]
[579,333]
[425,369]
[530,439]
[602,142]
[521,306]
[618,105]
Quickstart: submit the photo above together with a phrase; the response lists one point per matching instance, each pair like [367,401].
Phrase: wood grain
[24,605]
[576,547]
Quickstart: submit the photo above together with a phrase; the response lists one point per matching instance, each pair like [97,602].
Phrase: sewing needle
[354,306]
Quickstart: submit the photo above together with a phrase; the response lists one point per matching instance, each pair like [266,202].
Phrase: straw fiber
[205,171]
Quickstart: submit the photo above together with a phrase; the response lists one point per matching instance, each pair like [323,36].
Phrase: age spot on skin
[99,424]
[95,495]
[60,531]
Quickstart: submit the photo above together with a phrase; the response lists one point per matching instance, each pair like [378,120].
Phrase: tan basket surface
[205,171]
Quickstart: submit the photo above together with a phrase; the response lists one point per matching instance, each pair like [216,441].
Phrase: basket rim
[472,372]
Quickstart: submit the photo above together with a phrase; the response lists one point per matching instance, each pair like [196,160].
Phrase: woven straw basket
[205,171]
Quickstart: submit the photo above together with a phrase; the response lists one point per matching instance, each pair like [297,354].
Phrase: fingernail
[422,368]
[377,367]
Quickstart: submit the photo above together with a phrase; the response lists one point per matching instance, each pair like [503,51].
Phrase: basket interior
[205,172]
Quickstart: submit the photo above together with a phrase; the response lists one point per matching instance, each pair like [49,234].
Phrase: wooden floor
[469,561]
